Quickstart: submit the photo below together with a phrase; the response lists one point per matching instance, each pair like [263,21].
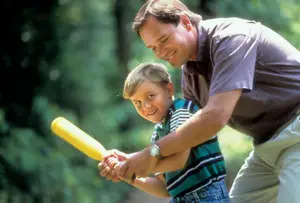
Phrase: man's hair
[166,11]
[152,72]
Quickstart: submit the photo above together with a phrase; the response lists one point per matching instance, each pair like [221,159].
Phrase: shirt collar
[170,111]
[202,51]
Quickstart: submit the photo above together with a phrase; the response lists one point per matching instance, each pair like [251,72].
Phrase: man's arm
[202,126]
[199,128]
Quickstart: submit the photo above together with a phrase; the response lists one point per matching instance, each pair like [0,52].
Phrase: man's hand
[121,156]
[139,164]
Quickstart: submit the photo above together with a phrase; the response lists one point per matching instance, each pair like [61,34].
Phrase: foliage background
[69,58]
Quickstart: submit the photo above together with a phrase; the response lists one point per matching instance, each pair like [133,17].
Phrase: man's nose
[161,52]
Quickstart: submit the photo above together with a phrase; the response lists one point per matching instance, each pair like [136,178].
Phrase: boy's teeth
[151,112]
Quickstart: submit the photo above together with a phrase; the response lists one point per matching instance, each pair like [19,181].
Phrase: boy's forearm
[172,163]
[152,186]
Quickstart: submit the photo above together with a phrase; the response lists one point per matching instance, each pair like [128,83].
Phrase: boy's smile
[152,100]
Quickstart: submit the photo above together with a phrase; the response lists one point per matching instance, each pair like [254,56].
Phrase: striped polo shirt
[205,164]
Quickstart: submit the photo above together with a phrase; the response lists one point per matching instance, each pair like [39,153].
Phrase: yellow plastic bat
[78,138]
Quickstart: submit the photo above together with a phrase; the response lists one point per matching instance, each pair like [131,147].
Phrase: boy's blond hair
[166,11]
[152,72]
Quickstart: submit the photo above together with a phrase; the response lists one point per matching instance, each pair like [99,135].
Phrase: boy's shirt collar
[163,127]
[169,112]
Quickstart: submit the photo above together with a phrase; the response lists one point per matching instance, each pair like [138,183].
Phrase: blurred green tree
[69,58]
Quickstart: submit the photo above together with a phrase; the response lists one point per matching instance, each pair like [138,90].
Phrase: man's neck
[194,44]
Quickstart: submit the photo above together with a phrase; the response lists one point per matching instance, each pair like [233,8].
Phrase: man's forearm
[203,125]
[198,129]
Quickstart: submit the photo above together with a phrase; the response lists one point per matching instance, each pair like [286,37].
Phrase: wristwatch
[154,150]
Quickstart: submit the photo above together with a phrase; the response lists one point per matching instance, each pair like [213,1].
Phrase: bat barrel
[78,138]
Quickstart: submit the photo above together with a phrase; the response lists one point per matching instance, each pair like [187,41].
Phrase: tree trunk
[123,42]
[205,8]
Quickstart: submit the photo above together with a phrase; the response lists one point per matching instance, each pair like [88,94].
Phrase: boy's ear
[186,22]
[170,88]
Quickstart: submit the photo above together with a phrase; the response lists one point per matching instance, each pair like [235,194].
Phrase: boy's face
[152,101]
[169,42]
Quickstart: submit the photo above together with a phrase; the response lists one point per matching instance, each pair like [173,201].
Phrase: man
[242,74]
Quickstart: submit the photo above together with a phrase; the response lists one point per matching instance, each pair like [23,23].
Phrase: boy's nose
[147,105]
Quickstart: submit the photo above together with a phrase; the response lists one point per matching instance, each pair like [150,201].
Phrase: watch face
[154,150]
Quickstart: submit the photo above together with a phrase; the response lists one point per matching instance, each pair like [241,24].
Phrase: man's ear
[186,22]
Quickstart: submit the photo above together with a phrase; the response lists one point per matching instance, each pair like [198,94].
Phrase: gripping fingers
[102,165]
[112,161]
[106,173]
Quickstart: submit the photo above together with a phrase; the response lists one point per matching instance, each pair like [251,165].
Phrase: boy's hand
[106,169]
[116,172]
[109,161]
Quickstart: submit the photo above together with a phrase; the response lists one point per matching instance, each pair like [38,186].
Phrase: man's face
[169,42]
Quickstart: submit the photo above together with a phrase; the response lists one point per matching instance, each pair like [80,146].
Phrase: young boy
[196,175]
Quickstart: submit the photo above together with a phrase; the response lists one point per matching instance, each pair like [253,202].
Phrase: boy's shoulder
[184,104]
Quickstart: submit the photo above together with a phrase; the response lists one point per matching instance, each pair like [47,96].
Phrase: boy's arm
[152,185]
[155,186]
[172,163]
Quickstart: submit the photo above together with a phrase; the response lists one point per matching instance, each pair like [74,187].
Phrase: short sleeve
[234,59]
[180,115]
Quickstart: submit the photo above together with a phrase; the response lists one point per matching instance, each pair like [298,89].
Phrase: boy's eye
[151,96]
[137,103]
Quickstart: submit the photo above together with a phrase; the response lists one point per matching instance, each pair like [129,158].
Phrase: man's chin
[175,65]
[178,62]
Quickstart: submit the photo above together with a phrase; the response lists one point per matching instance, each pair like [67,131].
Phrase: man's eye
[166,39]
[137,103]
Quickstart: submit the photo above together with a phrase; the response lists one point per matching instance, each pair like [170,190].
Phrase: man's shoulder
[217,22]
[227,27]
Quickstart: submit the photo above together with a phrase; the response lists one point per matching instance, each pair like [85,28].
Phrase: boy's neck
[170,105]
